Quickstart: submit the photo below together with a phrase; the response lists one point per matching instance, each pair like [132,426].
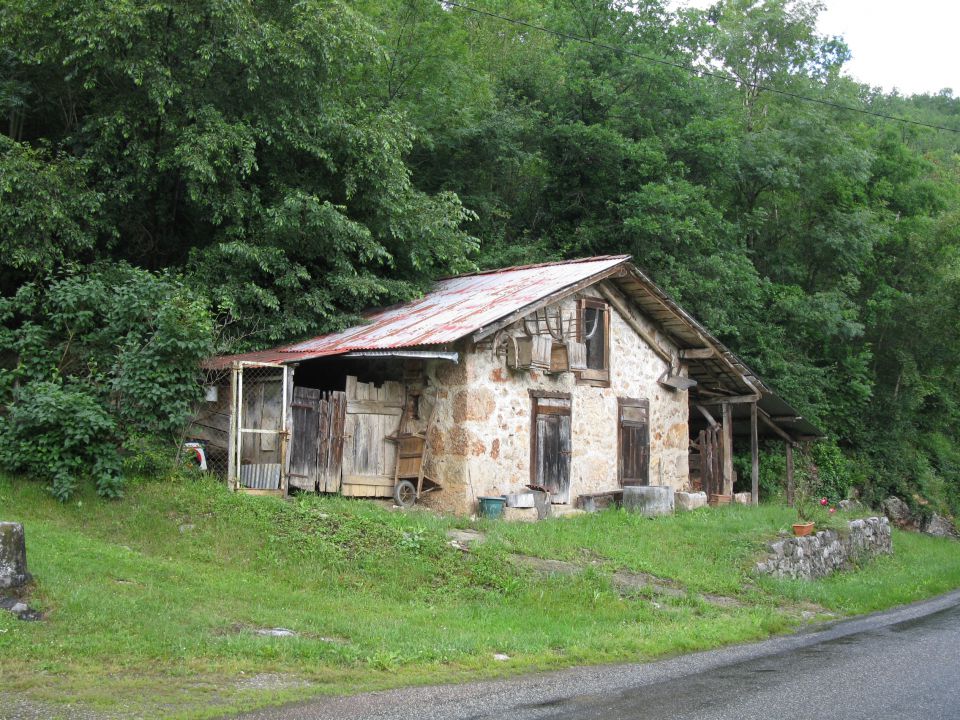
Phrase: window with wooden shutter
[593,329]
[633,438]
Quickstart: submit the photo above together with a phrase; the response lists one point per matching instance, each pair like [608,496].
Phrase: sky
[910,45]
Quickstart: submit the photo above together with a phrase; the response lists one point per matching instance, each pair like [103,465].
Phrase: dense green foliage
[102,355]
[295,163]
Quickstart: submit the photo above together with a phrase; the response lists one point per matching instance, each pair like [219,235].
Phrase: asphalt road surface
[902,664]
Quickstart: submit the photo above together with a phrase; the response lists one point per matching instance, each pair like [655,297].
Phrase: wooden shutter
[634,441]
[589,312]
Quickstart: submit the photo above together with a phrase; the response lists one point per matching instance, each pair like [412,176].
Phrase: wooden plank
[553,410]
[262,491]
[727,441]
[333,441]
[706,414]
[697,353]
[790,481]
[731,400]
[373,407]
[369,480]
[232,437]
[766,420]
[622,308]
[304,444]
[754,457]
[271,411]
[549,394]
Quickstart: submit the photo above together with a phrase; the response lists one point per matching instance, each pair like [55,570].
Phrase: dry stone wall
[827,551]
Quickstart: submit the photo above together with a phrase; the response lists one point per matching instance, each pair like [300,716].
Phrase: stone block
[689,500]
[648,500]
[744,498]
[520,514]
[13,556]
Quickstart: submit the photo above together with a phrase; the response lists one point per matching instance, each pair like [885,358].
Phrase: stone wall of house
[827,551]
[480,438]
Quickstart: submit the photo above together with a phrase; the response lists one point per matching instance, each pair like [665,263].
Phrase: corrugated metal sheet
[455,308]
[262,476]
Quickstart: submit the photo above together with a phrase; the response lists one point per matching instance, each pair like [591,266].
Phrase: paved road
[903,664]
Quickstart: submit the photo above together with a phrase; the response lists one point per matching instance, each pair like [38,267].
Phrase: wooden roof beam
[697,353]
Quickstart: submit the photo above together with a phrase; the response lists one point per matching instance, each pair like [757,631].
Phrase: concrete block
[689,501]
[648,500]
[743,498]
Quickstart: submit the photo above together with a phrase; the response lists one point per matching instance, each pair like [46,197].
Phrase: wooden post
[790,489]
[727,449]
[232,479]
[754,457]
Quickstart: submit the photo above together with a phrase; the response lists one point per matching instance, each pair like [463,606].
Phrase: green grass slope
[152,603]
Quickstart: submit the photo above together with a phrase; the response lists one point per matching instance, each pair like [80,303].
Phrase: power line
[696,71]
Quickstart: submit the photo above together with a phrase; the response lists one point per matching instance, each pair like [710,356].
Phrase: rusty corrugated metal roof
[455,308]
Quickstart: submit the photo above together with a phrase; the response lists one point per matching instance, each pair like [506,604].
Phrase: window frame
[601,377]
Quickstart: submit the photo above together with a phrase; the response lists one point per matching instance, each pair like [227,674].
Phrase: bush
[63,435]
[101,357]
[833,471]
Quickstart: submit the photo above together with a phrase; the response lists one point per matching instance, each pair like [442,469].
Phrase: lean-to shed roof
[476,304]
[456,307]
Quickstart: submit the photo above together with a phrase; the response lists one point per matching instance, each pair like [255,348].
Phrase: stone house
[579,377]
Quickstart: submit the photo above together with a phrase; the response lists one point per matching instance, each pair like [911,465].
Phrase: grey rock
[13,556]
[940,526]
[20,609]
[648,500]
[276,632]
[850,505]
[898,512]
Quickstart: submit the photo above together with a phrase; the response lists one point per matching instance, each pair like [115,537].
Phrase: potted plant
[804,525]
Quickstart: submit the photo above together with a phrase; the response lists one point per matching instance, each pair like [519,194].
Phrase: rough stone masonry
[827,551]
[13,556]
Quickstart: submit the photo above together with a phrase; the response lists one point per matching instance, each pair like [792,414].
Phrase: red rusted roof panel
[455,308]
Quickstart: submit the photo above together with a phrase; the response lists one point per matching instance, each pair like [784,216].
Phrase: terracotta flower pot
[802,529]
[716,499]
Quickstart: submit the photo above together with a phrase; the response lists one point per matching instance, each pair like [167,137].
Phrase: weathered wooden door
[552,446]
[372,414]
[316,448]
[634,441]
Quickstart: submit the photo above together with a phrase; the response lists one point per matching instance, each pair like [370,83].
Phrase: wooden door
[372,414]
[634,441]
[306,438]
[316,448]
[551,446]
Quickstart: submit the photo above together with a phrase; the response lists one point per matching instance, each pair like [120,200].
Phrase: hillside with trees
[179,178]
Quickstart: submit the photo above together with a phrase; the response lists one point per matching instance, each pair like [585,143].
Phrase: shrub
[98,356]
[63,435]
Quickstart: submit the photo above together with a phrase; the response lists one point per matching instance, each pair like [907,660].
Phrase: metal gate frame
[237,430]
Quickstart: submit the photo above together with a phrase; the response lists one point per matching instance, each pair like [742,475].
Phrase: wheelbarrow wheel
[405,493]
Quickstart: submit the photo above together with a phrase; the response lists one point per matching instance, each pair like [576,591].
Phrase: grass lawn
[153,602]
